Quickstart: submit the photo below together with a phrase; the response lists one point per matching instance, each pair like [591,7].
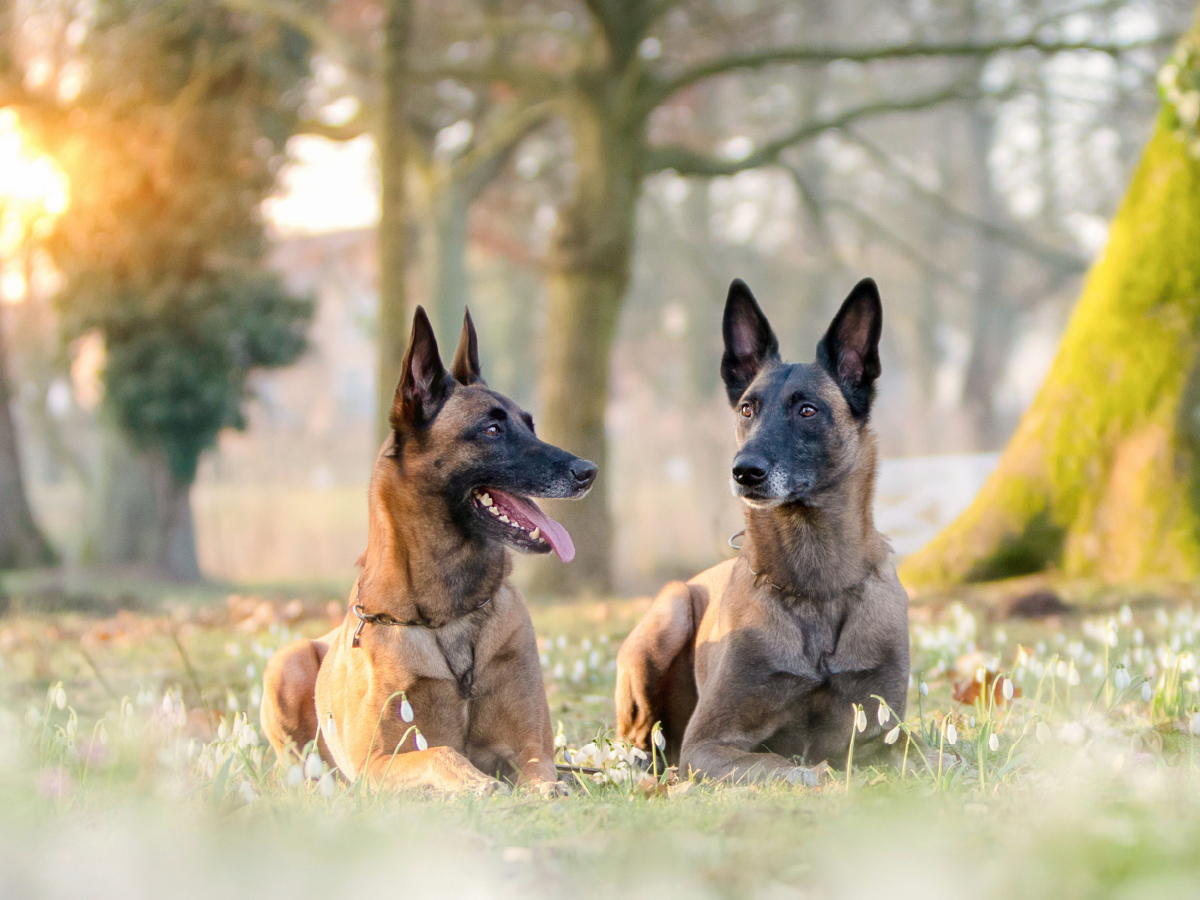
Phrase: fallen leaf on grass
[969,691]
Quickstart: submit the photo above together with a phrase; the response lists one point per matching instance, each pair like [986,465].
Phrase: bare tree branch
[688,162]
[314,27]
[823,54]
[1015,238]
[347,132]
[502,138]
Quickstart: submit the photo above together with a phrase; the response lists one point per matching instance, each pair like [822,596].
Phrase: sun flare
[33,193]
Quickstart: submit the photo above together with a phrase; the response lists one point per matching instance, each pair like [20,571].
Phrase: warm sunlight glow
[33,192]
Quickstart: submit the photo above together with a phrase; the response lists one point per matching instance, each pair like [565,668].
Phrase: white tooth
[536,533]
[504,519]
[495,511]
[485,499]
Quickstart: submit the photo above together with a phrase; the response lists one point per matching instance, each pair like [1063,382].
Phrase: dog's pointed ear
[850,349]
[465,367]
[749,341]
[424,383]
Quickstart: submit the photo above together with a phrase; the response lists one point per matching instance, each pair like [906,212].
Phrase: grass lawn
[128,769]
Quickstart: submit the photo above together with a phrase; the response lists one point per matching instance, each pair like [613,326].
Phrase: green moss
[1097,478]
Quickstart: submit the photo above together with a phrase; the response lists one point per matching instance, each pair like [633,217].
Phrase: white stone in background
[916,496]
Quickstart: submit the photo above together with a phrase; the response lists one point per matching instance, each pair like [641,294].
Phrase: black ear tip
[739,289]
[467,316]
[867,288]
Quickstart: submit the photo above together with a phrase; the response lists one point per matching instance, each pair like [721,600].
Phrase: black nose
[749,471]
[583,472]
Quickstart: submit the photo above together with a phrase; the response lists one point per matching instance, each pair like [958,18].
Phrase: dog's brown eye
[808,410]
[747,410]
[492,430]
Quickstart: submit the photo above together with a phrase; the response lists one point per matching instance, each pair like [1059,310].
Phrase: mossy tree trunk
[1100,479]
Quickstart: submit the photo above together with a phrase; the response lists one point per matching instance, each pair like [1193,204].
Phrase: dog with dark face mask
[754,668]
[433,679]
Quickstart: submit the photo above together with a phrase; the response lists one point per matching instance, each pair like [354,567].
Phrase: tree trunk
[22,544]
[1100,477]
[393,218]
[589,273]
[123,526]
[174,553]
[140,516]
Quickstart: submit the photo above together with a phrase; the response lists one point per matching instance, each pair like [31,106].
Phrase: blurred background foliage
[588,176]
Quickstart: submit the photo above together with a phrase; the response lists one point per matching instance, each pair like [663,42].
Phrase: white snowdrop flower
[168,707]
[1193,684]
[559,671]
[1001,636]
[972,721]
[1125,615]
[562,642]
[1160,616]
[578,670]
[892,736]
[223,731]
[883,715]
[406,710]
[326,785]
[594,659]
[246,790]
[422,744]
[1042,732]
[1120,679]
[1022,657]
[585,645]
[1072,676]
[1139,636]
[912,682]
[1147,691]
[295,776]
[313,767]
[951,734]
[659,741]
[993,743]
[860,720]
[1060,669]
[544,660]
[231,703]
[256,696]
[1110,634]
[330,727]
[1098,670]
[1007,690]
[1194,725]
[924,689]
[60,697]
[251,671]
[981,675]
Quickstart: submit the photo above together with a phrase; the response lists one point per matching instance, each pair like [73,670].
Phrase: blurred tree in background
[171,145]
[1102,477]
[22,543]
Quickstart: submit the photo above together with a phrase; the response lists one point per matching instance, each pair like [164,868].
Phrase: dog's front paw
[489,786]
[550,790]
[803,775]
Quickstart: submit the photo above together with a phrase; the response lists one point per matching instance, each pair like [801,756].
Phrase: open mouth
[524,525]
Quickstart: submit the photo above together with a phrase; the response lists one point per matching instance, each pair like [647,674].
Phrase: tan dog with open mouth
[436,635]
[758,662]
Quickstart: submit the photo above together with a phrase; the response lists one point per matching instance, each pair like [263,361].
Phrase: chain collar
[787,591]
[384,619]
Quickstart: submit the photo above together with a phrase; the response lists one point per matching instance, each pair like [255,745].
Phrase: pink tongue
[553,532]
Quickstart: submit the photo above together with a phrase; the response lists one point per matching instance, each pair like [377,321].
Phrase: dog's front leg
[439,768]
[724,731]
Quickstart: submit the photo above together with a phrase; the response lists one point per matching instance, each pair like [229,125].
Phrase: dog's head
[476,449]
[799,426]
